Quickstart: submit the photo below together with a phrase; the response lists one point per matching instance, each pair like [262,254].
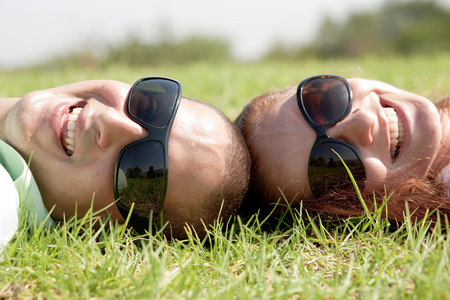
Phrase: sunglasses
[324,100]
[141,171]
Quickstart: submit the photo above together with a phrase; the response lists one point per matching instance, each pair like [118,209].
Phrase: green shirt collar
[29,195]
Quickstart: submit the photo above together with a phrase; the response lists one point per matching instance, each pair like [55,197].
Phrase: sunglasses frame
[321,136]
[140,219]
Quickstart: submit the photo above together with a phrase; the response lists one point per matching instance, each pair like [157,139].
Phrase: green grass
[308,258]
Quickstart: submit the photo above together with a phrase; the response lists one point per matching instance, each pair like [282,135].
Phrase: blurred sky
[34,30]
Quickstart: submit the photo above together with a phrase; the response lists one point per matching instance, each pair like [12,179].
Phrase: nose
[116,129]
[357,128]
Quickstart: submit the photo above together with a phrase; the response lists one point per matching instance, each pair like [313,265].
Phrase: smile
[68,125]
[396,131]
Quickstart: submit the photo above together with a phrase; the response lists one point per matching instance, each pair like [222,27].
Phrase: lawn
[306,258]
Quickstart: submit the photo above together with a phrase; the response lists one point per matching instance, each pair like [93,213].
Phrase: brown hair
[420,195]
[260,195]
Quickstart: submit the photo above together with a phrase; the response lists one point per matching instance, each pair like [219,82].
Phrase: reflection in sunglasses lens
[325,100]
[326,171]
[140,178]
[153,101]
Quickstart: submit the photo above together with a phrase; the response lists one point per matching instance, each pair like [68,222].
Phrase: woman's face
[284,139]
[73,178]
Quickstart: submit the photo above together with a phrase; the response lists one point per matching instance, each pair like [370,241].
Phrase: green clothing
[18,191]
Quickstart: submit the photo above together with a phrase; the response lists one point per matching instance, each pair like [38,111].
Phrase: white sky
[33,30]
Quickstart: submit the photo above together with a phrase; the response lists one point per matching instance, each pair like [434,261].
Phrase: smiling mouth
[68,125]
[396,131]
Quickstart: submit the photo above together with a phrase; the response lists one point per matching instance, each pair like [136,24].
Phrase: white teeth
[71,124]
[77,110]
[70,141]
[73,117]
[396,131]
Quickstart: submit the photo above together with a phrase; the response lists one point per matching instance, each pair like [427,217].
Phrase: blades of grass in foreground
[354,258]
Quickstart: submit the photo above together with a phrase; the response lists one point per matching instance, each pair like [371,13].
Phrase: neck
[6,105]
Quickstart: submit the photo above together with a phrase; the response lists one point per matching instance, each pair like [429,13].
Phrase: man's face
[284,139]
[73,179]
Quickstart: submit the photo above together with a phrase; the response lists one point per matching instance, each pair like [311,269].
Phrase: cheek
[376,174]
[287,171]
[70,189]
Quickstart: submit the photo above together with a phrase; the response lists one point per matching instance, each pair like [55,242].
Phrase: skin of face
[284,138]
[32,125]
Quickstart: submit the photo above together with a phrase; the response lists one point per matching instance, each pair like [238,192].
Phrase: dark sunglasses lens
[325,100]
[326,171]
[153,101]
[140,177]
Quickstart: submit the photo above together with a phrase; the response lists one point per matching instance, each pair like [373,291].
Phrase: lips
[68,128]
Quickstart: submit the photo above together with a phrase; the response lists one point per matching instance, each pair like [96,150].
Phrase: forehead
[282,144]
[198,144]
[197,120]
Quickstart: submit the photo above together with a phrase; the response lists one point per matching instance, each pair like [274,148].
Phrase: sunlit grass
[309,258]
[304,256]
